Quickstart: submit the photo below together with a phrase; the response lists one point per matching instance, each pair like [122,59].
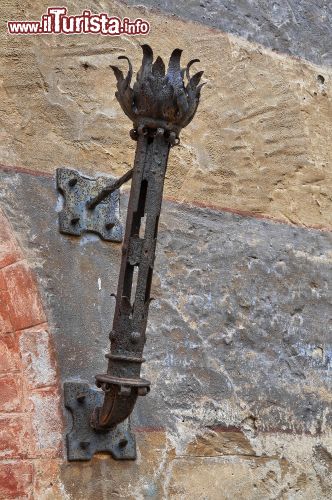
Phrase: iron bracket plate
[76,218]
[82,440]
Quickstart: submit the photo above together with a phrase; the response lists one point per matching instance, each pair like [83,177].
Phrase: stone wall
[30,413]
[239,335]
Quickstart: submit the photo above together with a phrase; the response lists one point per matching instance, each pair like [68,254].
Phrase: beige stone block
[259,142]
[226,478]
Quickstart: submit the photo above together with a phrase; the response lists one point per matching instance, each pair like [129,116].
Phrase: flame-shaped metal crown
[159,99]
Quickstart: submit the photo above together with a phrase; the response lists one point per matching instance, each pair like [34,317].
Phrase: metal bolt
[112,335]
[135,337]
[124,390]
[142,391]
[80,397]
[133,134]
[123,442]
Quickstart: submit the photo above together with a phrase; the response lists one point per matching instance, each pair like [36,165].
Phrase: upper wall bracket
[76,217]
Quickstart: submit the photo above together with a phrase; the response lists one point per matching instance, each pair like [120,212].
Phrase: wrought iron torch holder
[160,104]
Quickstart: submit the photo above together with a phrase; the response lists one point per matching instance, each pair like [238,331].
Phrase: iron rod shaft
[159,105]
[109,189]
[134,285]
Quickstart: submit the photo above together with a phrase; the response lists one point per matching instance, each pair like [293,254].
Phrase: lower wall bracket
[82,440]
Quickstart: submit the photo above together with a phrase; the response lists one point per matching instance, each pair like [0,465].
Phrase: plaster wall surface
[259,142]
[299,28]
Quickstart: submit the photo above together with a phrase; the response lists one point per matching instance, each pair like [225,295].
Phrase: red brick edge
[30,417]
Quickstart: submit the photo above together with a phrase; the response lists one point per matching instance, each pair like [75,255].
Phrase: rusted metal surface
[76,217]
[110,188]
[159,105]
[82,441]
